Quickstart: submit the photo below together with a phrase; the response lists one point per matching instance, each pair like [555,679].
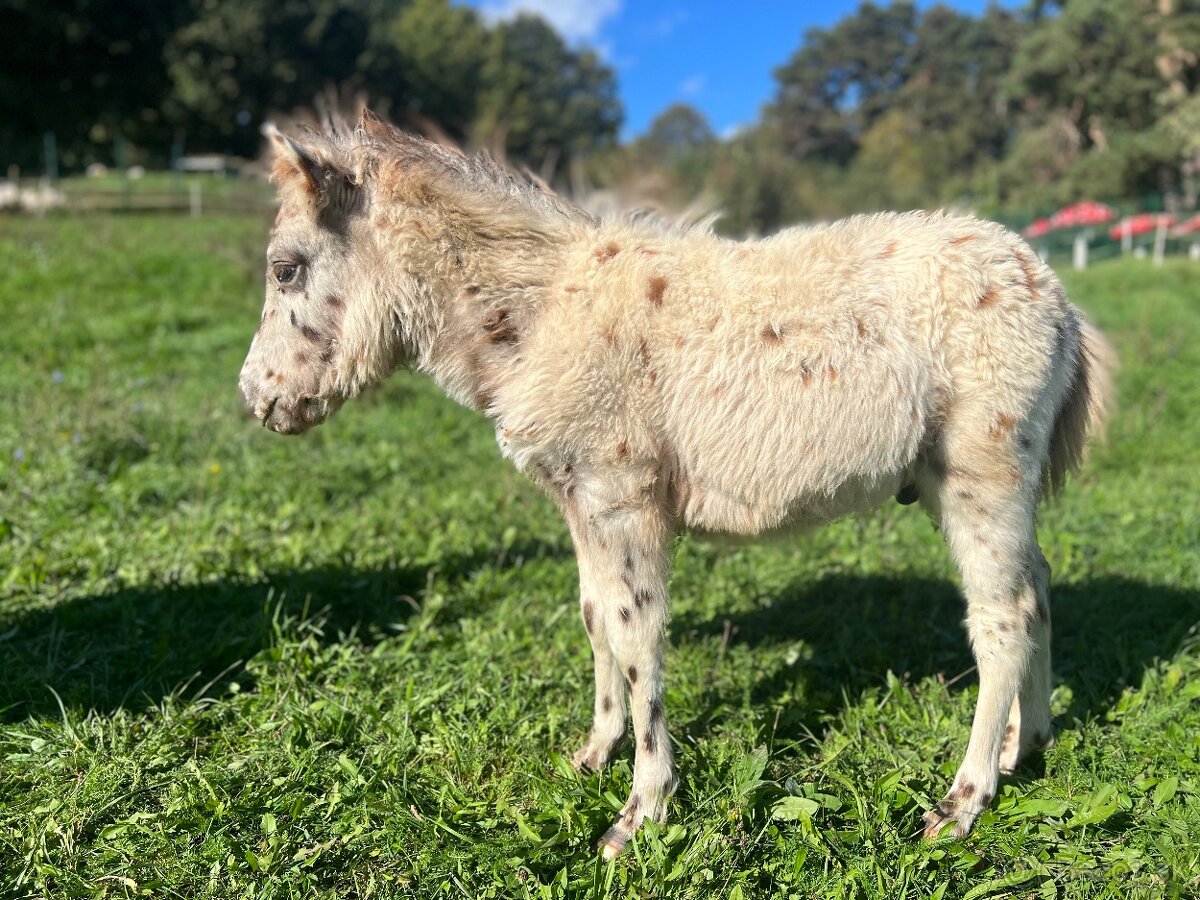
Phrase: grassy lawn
[351,663]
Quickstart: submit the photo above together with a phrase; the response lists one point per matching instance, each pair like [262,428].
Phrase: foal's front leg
[624,564]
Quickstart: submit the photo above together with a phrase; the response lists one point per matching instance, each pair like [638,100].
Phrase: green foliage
[894,107]
[350,663]
[209,72]
[545,101]
[87,71]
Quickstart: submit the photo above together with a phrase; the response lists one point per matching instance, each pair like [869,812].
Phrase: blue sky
[715,54]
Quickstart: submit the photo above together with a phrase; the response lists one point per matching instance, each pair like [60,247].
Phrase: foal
[653,379]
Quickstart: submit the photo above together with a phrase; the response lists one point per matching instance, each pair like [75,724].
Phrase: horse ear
[371,125]
[297,164]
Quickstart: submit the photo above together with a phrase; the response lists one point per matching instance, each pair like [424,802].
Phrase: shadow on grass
[134,646]
[1107,631]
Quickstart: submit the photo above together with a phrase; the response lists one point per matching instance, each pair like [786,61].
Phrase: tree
[677,130]
[235,63]
[681,141]
[87,70]
[842,79]
[547,101]
[425,61]
[1094,62]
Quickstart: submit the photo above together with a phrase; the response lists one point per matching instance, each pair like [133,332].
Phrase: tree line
[893,106]
[202,75]
[1010,112]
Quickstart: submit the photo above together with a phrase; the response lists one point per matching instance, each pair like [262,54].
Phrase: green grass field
[351,664]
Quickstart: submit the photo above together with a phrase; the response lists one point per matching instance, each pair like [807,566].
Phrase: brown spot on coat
[310,334]
[483,398]
[656,711]
[623,450]
[1008,737]
[648,741]
[1002,426]
[333,301]
[644,351]
[964,791]
[861,327]
[1030,273]
[962,239]
[642,598]
[772,335]
[300,358]
[572,289]
[832,371]
[806,376]
[607,252]
[888,250]
[588,612]
[624,611]
[499,329]
[633,674]
[606,703]
[680,341]
[292,316]
[990,296]
[652,376]
[656,290]
[646,251]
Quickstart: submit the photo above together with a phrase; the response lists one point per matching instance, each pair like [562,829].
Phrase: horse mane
[477,184]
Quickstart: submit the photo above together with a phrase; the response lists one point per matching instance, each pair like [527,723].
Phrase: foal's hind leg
[1029,719]
[987,517]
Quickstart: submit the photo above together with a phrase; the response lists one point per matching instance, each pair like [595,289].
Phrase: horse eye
[285,273]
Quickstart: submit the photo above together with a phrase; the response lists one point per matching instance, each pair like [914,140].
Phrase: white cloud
[575,20]
[692,85]
[665,25]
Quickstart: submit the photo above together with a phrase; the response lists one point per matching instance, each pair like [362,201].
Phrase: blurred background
[787,112]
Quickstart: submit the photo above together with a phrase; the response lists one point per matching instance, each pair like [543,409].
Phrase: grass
[351,663]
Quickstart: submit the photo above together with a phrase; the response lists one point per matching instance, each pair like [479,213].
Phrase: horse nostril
[270,409]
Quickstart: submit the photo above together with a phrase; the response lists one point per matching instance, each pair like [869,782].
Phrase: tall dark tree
[89,71]
[424,63]
[549,102]
[237,62]
[842,79]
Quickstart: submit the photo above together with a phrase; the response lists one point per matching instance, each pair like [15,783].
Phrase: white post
[1079,255]
[1194,251]
[1160,240]
[194,195]
[1126,238]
